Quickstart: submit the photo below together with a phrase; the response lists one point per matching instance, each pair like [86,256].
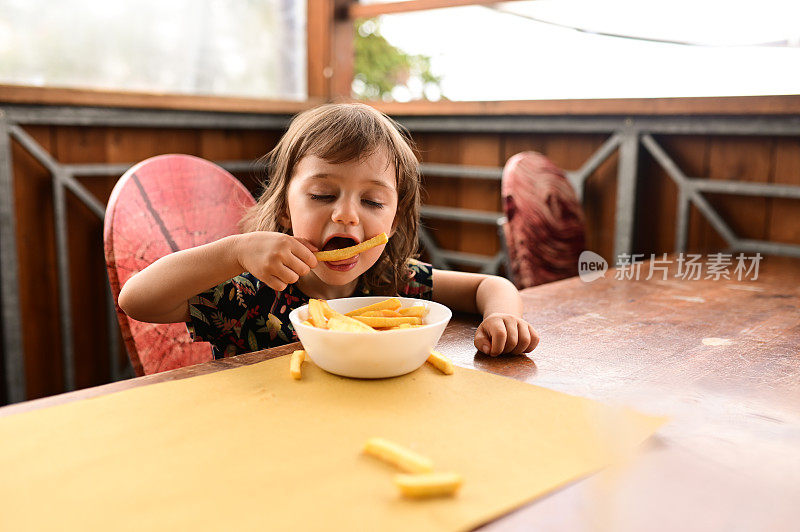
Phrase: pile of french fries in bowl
[370,337]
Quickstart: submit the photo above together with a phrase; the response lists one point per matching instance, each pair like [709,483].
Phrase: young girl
[342,174]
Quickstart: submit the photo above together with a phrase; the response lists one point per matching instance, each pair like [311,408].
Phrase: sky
[485,54]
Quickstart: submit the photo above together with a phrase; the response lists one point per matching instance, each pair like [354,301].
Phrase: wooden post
[330,49]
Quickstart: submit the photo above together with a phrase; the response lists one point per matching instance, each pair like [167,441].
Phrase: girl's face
[340,205]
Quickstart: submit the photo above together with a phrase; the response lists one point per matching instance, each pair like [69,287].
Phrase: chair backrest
[545,231]
[161,205]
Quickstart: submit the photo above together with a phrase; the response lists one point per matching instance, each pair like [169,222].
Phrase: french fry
[387,304]
[399,456]
[306,322]
[418,311]
[428,484]
[381,314]
[348,324]
[327,310]
[441,362]
[375,321]
[295,362]
[316,314]
[352,251]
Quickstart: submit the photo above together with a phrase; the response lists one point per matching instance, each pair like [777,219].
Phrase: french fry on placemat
[375,321]
[398,456]
[295,362]
[441,362]
[352,251]
[387,304]
[428,484]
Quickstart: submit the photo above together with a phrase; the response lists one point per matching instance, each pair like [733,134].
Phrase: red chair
[161,205]
[544,231]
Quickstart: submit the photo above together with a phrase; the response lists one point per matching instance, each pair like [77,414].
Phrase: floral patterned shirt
[243,314]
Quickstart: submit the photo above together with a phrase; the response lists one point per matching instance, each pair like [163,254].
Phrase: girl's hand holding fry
[505,333]
[276,259]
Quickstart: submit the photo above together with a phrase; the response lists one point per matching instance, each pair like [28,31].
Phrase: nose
[345,212]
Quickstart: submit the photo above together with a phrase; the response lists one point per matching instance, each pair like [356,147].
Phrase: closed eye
[322,197]
[375,204]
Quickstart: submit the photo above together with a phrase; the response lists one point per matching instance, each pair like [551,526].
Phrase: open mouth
[339,242]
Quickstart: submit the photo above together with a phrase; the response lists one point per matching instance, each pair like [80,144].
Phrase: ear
[285,220]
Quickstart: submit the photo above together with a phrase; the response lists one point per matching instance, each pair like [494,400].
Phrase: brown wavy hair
[339,133]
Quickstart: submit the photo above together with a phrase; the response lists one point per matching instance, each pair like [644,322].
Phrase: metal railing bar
[64,298]
[767,247]
[118,117]
[682,221]
[432,248]
[460,215]
[35,149]
[578,177]
[470,259]
[626,193]
[88,199]
[454,170]
[13,352]
[745,188]
[98,169]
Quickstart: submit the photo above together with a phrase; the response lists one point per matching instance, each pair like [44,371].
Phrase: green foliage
[380,67]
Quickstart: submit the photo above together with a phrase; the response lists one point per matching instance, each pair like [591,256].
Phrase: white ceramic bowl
[371,355]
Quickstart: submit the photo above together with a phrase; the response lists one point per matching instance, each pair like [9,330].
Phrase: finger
[285,275]
[524,341]
[498,334]
[482,342]
[534,339]
[305,251]
[276,284]
[294,263]
[512,335]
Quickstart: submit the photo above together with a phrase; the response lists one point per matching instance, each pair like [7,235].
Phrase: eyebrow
[376,182]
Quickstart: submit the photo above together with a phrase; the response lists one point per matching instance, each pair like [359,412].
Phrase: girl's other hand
[276,259]
[505,333]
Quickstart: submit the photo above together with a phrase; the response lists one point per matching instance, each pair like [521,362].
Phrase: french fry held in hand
[295,362]
[352,251]
[387,304]
[441,362]
[399,456]
[428,484]
[375,321]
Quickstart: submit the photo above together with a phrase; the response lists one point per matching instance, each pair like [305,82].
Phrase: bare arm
[160,293]
[476,293]
[503,329]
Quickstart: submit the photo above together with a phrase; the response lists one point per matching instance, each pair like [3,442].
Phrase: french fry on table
[297,359]
[441,362]
[352,251]
[428,484]
[387,304]
[375,321]
[398,456]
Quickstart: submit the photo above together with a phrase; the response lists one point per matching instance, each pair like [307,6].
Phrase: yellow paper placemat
[252,449]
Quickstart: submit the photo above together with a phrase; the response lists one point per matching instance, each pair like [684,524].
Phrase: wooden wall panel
[741,159]
[479,194]
[38,283]
[784,217]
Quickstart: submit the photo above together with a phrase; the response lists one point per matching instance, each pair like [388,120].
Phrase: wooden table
[730,457]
